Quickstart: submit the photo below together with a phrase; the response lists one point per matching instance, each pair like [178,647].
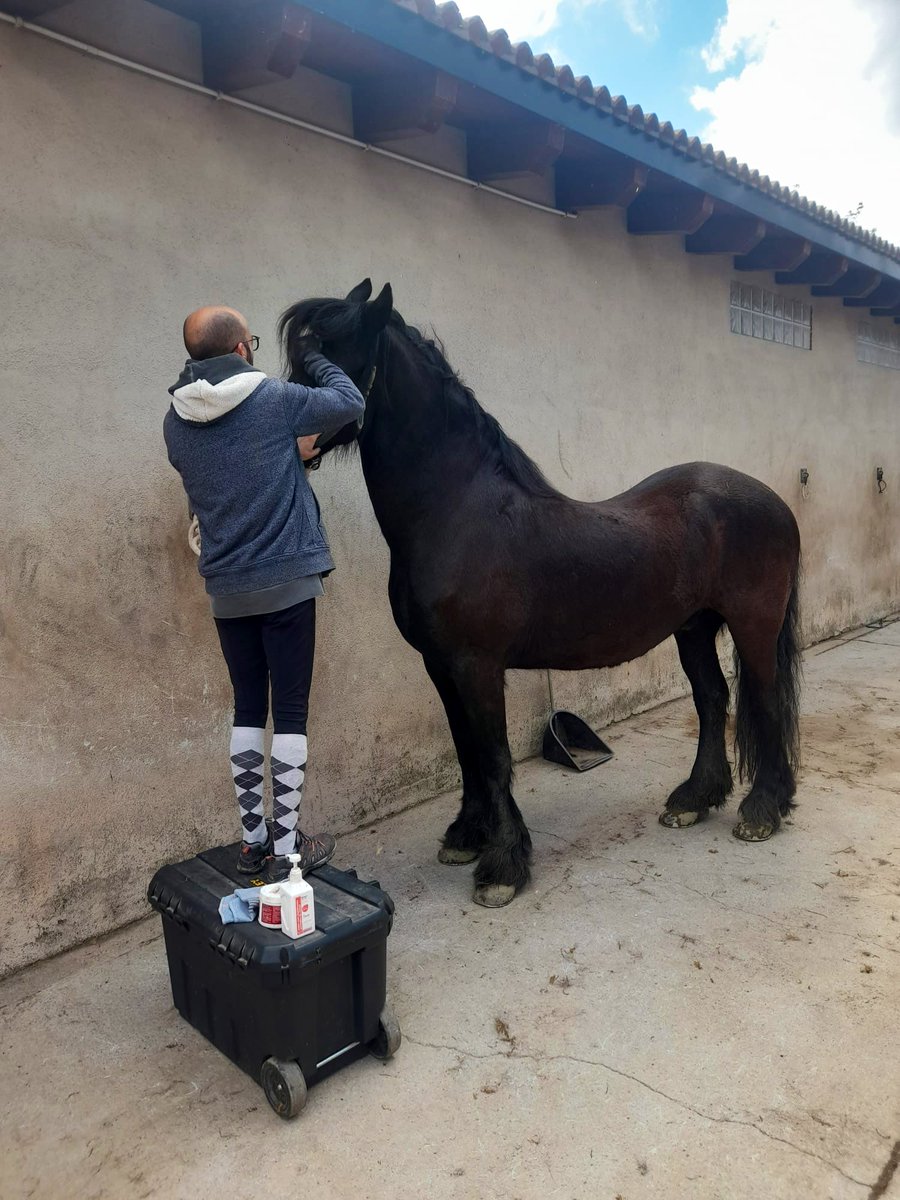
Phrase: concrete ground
[663,1013]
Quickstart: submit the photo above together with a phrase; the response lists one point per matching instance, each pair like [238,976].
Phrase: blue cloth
[231,433]
[242,905]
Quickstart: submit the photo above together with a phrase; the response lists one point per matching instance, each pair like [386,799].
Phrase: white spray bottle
[298,905]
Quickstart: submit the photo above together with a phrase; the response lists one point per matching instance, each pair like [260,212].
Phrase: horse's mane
[329,320]
[336,320]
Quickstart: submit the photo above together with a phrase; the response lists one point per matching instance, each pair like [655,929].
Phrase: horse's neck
[414,463]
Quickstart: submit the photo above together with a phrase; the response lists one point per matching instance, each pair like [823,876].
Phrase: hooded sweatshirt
[231,434]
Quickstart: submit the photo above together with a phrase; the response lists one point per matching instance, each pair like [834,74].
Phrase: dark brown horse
[492,568]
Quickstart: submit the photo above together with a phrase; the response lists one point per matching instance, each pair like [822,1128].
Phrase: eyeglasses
[252,341]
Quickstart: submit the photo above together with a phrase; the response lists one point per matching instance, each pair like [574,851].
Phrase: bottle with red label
[270,906]
[298,905]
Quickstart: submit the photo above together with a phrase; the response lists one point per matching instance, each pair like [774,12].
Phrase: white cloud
[520,18]
[526,19]
[812,100]
[641,17]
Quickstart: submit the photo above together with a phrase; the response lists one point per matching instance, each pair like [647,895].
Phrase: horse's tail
[750,731]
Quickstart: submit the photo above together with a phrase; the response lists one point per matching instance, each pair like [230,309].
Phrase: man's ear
[361,292]
[378,313]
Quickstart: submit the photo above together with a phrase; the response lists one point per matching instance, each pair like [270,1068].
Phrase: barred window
[878,345]
[757,312]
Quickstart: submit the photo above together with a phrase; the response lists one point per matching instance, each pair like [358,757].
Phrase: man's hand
[308,344]
[307,447]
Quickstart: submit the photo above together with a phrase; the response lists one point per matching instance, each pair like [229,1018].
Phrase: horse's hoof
[494,895]
[751,831]
[680,820]
[447,854]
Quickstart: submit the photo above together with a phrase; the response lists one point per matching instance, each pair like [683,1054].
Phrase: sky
[806,91]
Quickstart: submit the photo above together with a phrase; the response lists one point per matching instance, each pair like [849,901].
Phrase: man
[232,434]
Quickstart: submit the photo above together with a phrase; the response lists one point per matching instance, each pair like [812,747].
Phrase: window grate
[878,346]
[756,312]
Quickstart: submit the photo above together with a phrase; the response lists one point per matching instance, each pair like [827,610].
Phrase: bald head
[214,330]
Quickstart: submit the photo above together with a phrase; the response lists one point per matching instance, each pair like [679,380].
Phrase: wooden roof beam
[726,234]
[403,106]
[253,44]
[857,281]
[775,254]
[511,151]
[583,184]
[820,268]
[888,311]
[675,212]
[886,295]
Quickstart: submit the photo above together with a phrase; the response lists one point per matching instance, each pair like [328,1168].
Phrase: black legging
[279,646]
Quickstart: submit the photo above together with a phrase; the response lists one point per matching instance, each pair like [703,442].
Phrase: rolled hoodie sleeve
[334,401]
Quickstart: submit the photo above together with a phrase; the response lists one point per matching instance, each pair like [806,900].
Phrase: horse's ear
[378,313]
[361,292]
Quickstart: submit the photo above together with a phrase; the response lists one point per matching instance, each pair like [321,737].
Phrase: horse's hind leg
[463,841]
[710,780]
[768,695]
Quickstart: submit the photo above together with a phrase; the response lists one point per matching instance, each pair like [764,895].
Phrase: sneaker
[252,855]
[315,850]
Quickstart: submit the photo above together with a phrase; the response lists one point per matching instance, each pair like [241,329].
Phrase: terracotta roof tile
[523,55]
[565,77]
[545,66]
[478,32]
[450,16]
[501,45]
[473,29]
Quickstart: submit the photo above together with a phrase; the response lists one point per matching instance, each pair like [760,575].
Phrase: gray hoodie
[231,434]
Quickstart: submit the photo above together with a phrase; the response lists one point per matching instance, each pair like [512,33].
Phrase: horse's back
[705,478]
[701,492]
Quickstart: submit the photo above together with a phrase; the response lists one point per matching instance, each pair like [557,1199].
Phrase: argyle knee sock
[247,769]
[288,763]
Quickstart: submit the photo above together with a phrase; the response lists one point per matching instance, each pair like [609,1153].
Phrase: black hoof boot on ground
[501,872]
[449,854]
[462,843]
[681,820]
[691,801]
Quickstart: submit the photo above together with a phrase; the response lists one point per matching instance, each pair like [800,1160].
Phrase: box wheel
[284,1086]
[387,1041]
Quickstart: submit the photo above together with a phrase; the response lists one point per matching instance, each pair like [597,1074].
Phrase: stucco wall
[124,204]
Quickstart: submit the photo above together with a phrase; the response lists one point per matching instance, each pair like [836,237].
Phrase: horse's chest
[425,616]
[404,607]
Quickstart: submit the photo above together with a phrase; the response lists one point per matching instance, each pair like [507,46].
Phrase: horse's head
[348,331]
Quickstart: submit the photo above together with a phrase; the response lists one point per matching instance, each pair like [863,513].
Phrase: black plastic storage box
[287,1012]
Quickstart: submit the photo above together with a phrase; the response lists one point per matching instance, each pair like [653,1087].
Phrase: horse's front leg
[467,835]
[503,865]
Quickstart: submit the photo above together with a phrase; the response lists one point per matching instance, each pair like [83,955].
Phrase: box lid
[349,912]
